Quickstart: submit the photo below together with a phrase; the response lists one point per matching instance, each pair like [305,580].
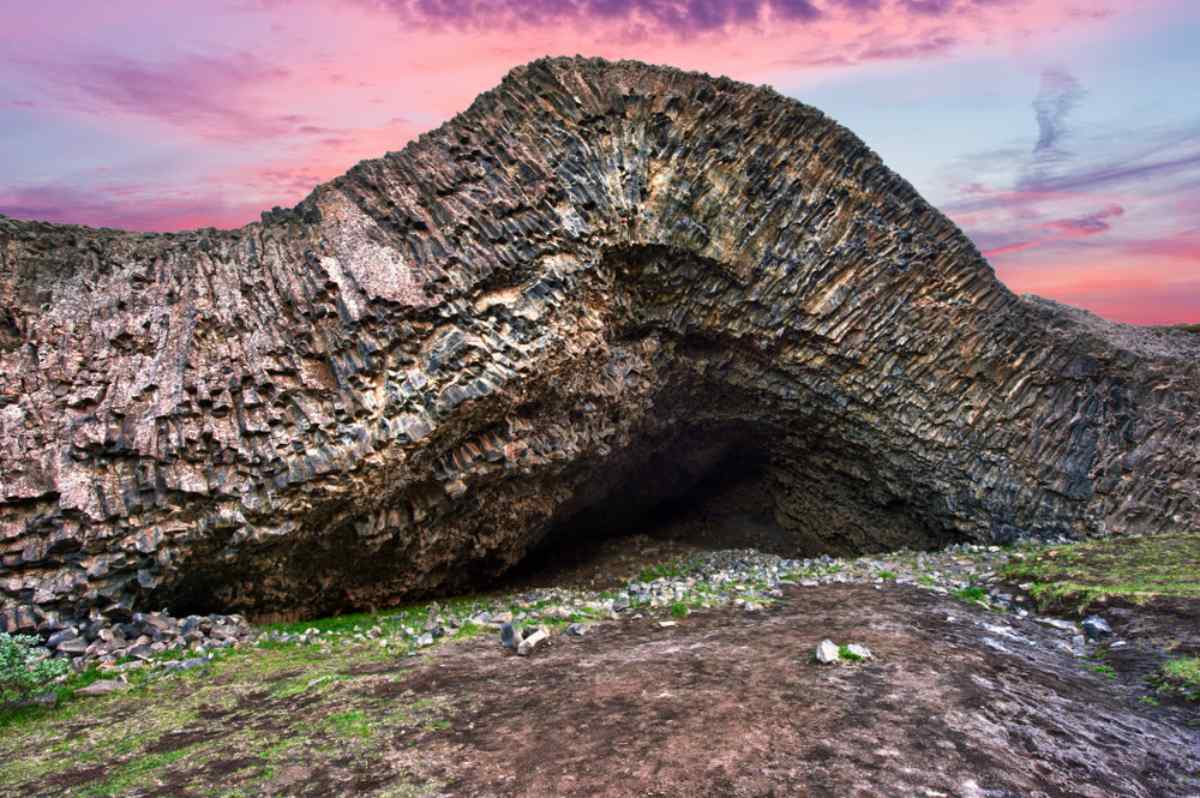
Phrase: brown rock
[594,288]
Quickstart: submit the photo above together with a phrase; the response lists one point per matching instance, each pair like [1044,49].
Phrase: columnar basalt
[591,287]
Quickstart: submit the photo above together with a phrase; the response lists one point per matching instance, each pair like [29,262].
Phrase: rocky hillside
[588,293]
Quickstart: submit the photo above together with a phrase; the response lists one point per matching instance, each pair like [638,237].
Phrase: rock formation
[595,287]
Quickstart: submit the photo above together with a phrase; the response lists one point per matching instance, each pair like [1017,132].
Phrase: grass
[335,708]
[663,570]
[679,610]
[350,724]
[1181,676]
[131,773]
[972,594]
[844,653]
[1135,569]
[1103,669]
[887,575]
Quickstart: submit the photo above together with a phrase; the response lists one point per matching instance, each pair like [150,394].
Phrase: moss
[1136,569]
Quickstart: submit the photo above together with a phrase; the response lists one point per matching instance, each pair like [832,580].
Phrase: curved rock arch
[596,282]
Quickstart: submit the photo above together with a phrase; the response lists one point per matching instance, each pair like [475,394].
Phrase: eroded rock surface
[596,286]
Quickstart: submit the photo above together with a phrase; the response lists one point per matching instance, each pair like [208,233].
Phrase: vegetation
[1135,569]
[887,575]
[23,673]
[170,731]
[1181,676]
[972,594]
[846,654]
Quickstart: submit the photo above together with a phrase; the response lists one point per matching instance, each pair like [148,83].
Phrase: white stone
[827,652]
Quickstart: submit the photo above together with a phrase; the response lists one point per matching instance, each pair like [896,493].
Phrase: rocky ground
[664,670]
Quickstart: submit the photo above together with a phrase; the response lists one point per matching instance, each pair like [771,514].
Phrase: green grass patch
[663,570]
[846,654]
[887,575]
[1181,676]
[679,610]
[972,594]
[350,724]
[1136,569]
[1103,669]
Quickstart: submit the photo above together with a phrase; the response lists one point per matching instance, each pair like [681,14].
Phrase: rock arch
[590,286]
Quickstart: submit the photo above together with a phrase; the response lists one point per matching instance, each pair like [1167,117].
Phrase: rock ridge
[600,283]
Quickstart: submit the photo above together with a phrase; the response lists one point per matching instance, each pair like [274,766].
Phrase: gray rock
[531,642]
[425,640]
[1065,626]
[510,636]
[1096,628]
[102,687]
[58,638]
[860,650]
[73,645]
[827,652]
[577,630]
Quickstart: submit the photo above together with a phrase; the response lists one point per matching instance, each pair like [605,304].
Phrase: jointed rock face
[597,285]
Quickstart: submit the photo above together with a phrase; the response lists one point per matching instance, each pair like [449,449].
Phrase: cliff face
[595,286]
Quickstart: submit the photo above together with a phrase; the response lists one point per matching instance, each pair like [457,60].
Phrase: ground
[959,700]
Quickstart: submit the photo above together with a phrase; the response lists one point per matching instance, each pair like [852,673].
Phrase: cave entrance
[705,490]
[710,489]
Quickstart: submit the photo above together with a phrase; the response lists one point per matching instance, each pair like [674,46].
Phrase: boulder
[572,302]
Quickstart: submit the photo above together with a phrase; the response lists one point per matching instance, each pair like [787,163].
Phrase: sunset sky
[1062,135]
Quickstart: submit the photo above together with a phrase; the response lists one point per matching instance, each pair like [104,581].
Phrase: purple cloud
[1087,225]
[933,8]
[201,93]
[1059,94]
[682,17]
[934,44]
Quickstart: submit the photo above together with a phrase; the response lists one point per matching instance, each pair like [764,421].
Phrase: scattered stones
[827,652]
[577,630]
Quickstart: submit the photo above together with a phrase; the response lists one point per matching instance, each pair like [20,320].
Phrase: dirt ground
[959,702]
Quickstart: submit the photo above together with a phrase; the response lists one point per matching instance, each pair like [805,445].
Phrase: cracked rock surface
[596,286]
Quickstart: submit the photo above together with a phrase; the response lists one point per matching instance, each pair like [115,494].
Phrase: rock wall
[578,294]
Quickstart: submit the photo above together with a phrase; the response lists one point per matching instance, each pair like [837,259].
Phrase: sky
[1062,135]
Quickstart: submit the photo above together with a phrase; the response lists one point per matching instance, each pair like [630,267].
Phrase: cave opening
[710,489]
